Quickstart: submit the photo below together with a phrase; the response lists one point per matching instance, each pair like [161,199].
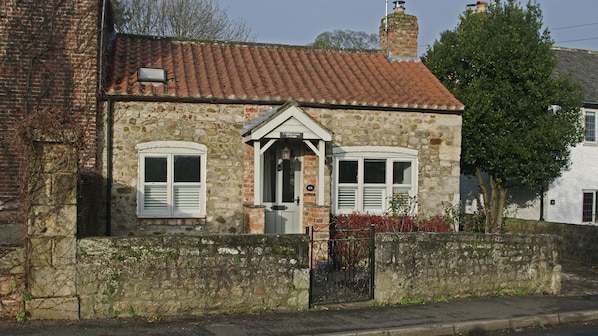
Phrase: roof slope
[583,67]
[223,71]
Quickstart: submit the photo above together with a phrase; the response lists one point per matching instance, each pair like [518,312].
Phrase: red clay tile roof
[272,73]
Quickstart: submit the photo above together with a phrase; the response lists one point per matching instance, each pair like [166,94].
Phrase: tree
[520,120]
[347,39]
[187,19]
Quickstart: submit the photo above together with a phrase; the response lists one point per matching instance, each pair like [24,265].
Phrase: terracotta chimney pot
[482,5]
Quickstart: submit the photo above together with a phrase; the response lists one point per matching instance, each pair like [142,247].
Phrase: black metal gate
[341,265]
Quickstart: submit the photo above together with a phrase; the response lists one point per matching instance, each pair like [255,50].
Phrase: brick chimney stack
[398,33]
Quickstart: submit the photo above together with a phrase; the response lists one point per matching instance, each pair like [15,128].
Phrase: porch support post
[321,154]
[257,168]
[321,163]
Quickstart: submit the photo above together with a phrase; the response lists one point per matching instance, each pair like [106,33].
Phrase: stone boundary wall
[580,242]
[12,280]
[433,265]
[168,275]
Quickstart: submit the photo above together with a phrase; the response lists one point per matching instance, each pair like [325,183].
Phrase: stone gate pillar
[52,229]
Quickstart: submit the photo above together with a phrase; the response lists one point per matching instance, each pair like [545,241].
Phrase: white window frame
[362,153]
[168,150]
[587,112]
[594,194]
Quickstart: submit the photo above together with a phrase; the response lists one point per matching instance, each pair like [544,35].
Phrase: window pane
[347,172]
[186,168]
[288,180]
[588,206]
[401,172]
[590,126]
[374,171]
[155,169]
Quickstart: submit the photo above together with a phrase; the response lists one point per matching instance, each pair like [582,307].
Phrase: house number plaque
[310,187]
[291,135]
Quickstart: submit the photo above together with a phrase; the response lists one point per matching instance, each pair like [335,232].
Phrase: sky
[573,23]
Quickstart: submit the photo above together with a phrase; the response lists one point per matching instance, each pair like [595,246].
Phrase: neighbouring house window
[171,181]
[590,206]
[365,178]
[590,126]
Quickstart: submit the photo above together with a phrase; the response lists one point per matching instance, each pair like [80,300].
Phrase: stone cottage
[215,137]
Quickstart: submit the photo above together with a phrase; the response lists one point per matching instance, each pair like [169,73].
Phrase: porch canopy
[286,122]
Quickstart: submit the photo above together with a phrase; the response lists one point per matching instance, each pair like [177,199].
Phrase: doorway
[282,180]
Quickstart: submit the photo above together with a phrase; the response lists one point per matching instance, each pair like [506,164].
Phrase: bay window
[365,178]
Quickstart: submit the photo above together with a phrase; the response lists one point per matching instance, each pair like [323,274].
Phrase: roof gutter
[277,102]
[592,105]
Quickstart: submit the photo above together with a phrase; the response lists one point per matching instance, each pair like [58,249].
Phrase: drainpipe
[542,204]
[109,133]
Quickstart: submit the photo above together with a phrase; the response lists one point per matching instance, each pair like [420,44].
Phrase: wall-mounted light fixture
[285,153]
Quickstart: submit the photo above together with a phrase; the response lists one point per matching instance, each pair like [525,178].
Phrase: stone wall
[430,266]
[579,242]
[52,229]
[158,276]
[436,137]
[216,126]
[12,280]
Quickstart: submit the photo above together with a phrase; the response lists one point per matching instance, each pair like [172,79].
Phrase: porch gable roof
[286,118]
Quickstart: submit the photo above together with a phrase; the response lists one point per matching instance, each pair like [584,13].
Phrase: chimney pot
[482,5]
[399,6]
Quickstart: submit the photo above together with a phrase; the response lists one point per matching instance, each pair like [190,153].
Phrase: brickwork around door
[230,175]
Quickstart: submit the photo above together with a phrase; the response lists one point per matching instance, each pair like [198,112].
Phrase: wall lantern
[285,153]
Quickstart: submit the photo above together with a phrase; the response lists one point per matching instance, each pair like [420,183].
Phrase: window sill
[172,221]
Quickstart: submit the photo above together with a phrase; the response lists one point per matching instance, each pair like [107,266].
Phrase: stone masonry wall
[12,280]
[579,242]
[158,276]
[216,126]
[436,137]
[432,265]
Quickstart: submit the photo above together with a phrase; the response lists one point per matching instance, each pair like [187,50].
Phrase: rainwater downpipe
[109,133]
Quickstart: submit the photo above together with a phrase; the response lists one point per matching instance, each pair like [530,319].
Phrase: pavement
[469,316]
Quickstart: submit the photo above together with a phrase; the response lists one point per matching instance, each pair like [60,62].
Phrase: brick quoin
[48,62]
